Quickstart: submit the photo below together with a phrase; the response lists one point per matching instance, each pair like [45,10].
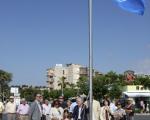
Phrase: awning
[137,94]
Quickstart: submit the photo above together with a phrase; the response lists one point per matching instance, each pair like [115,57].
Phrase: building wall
[71,72]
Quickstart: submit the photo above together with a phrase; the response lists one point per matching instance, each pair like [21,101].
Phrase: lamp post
[90,59]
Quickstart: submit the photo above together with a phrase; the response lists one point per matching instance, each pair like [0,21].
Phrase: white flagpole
[90,61]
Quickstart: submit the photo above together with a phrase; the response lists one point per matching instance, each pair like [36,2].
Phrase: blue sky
[37,34]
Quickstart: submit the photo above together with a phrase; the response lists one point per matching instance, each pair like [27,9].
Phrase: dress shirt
[72,107]
[79,115]
[46,109]
[23,109]
[113,107]
[10,107]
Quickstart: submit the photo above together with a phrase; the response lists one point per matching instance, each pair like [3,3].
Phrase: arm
[74,112]
[31,110]
[2,106]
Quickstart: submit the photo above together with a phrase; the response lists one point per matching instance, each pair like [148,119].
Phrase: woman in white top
[56,111]
[105,111]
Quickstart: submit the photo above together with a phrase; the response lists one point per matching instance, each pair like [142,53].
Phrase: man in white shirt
[80,111]
[23,110]
[1,109]
[46,110]
[10,109]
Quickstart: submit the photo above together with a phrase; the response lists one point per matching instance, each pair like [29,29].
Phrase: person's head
[56,104]
[61,99]
[106,103]
[23,101]
[118,105]
[46,102]
[80,101]
[68,103]
[11,99]
[41,99]
[66,114]
[38,97]
[129,101]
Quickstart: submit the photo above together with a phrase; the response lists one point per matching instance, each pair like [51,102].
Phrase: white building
[71,73]
[54,76]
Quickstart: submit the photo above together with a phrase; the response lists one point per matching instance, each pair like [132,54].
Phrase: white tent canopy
[137,94]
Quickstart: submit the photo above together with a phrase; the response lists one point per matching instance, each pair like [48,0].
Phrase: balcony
[50,80]
[51,86]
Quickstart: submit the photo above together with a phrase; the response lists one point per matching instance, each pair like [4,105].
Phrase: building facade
[70,72]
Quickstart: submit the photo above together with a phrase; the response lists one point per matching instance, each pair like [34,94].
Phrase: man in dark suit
[80,111]
[35,111]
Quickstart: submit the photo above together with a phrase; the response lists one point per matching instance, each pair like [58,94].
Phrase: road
[137,117]
[142,117]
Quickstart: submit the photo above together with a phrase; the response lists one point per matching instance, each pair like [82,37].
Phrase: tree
[110,84]
[63,83]
[29,93]
[142,80]
[82,85]
[5,78]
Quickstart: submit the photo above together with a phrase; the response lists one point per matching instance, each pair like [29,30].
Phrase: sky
[37,34]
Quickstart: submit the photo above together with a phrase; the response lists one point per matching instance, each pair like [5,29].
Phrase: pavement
[137,117]
[142,117]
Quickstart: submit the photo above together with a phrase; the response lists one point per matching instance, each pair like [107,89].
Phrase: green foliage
[55,93]
[68,92]
[5,78]
[142,80]
[107,84]
[29,93]
[46,94]
[82,85]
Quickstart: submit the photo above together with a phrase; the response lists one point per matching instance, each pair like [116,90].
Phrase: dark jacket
[84,112]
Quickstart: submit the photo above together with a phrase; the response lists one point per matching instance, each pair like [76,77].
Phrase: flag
[135,6]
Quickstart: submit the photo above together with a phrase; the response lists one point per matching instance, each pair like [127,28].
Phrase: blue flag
[135,6]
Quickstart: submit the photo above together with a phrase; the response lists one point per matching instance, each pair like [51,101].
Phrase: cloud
[143,66]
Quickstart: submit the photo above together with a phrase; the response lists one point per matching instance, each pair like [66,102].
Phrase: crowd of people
[71,109]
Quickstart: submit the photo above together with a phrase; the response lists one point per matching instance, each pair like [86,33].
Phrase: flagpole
[90,61]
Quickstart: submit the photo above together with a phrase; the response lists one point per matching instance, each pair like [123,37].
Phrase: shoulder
[27,105]
[96,102]
[43,105]
[33,103]
[102,108]
[8,103]
[60,108]
[52,109]
[76,107]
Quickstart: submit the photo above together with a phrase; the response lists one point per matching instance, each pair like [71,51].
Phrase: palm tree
[63,83]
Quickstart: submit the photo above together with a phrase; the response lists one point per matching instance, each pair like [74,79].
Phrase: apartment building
[71,73]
